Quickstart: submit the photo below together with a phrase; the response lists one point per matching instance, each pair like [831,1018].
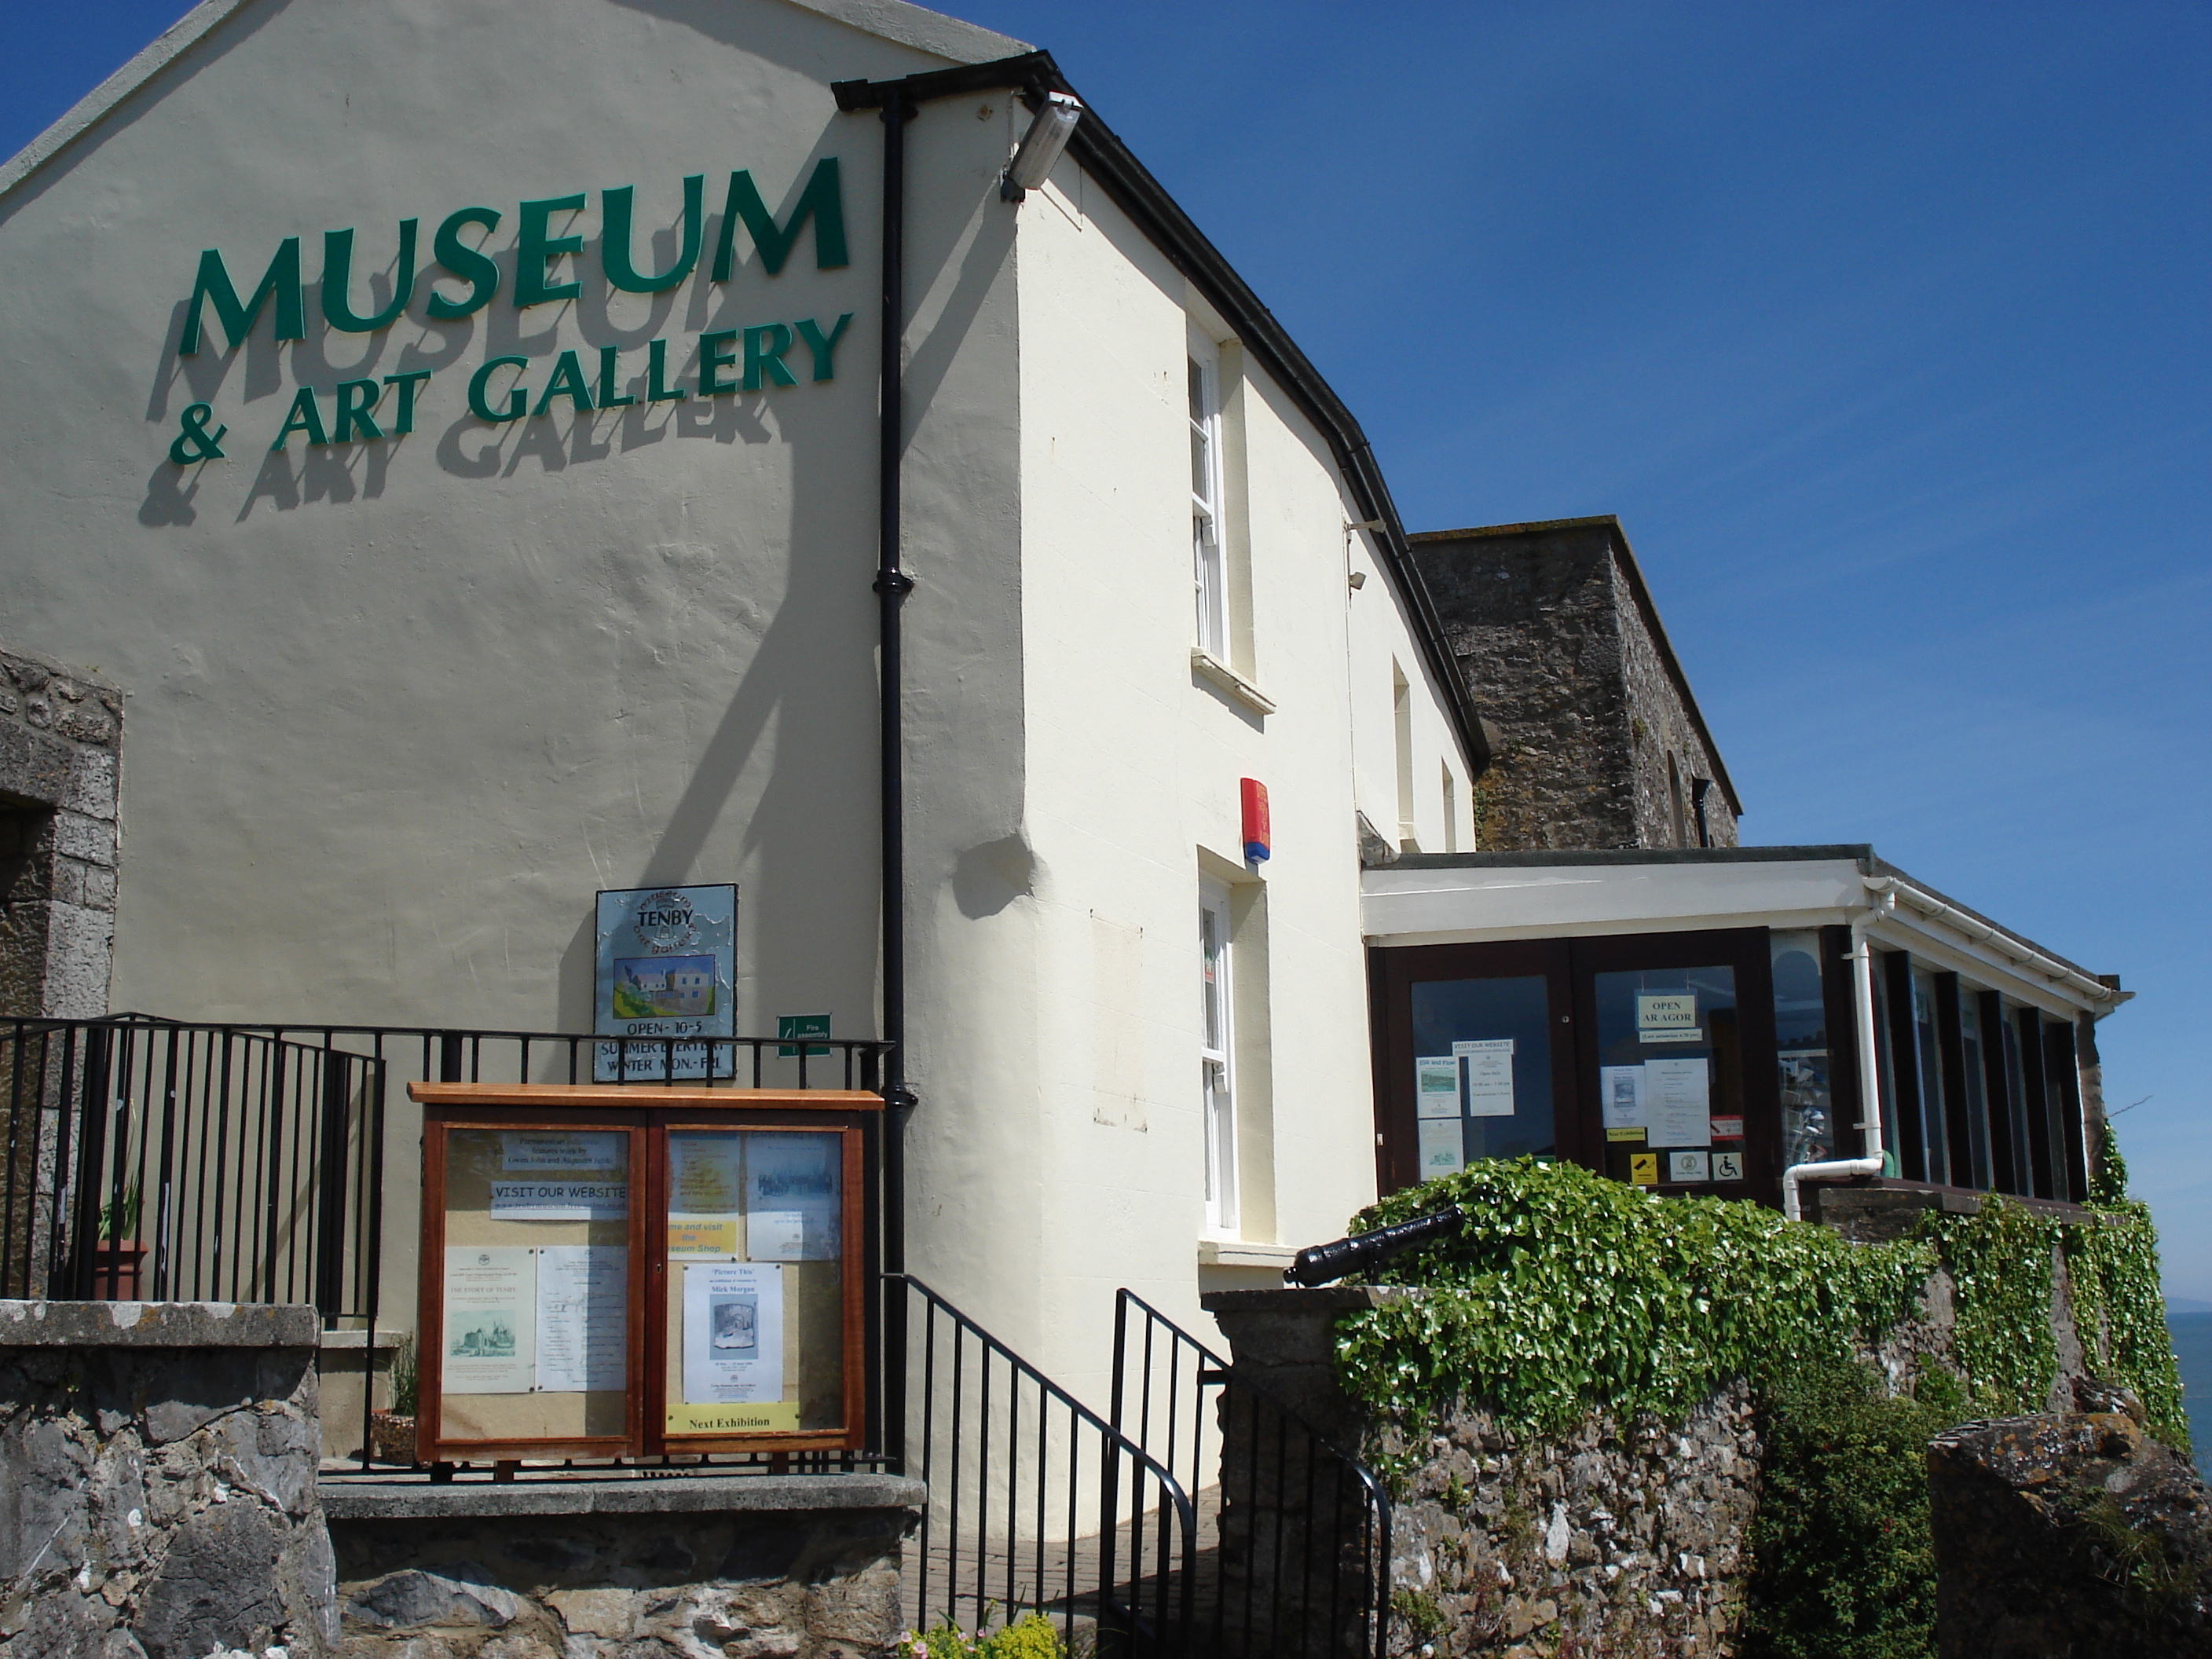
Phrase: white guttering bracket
[1994,939]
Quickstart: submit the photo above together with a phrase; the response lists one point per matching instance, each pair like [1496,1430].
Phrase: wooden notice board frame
[646,1114]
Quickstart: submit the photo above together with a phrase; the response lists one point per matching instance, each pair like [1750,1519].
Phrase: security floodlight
[1050,129]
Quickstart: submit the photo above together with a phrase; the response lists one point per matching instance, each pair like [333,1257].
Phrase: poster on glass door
[1489,1065]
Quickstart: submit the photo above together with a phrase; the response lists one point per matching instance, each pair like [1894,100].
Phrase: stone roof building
[1599,743]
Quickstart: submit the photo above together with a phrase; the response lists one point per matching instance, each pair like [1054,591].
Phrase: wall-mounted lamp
[1050,129]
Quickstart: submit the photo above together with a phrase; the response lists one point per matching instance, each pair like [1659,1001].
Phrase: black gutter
[1133,190]
[1137,193]
[898,100]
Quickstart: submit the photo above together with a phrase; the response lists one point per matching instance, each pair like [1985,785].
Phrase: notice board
[611,1271]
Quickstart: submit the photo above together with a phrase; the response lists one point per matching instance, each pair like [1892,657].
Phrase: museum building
[751,544]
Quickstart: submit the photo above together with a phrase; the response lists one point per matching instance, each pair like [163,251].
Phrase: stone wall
[681,1567]
[61,735]
[1624,1538]
[157,1481]
[1564,656]
[2069,1533]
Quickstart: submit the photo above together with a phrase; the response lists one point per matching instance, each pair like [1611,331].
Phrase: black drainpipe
[893,586]
[899,101]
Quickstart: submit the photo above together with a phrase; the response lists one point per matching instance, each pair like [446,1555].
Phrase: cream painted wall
[1135,760]
[399,708]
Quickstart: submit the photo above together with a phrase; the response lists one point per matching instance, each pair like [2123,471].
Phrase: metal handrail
[1170,1629]
[1211,1371]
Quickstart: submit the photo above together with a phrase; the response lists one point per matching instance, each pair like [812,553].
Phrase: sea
[2192,1346]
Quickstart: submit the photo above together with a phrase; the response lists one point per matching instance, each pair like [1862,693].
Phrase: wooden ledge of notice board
[640,1095]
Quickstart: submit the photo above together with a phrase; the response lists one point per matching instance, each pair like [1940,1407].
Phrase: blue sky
[1883,328]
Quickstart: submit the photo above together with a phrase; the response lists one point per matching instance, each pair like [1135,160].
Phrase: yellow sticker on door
[1643,1168]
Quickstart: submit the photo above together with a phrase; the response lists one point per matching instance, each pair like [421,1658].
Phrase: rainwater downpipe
[1870,1123]
[892,585]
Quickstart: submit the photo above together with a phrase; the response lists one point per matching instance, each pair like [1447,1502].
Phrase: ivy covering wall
[1565,1293]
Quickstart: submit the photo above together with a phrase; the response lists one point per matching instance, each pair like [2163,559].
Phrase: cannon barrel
[1317,1264]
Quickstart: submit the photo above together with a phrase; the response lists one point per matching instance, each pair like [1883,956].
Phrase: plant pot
[116,1270]
[391,1438]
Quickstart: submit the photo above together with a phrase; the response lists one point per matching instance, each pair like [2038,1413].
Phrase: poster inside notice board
[667,977]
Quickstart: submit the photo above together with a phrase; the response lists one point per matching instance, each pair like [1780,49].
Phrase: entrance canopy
[1709,1020]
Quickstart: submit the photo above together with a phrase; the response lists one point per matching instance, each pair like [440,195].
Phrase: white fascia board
[1478,904]
[1460,906]
[1941,947]
[88,111]
[892,20]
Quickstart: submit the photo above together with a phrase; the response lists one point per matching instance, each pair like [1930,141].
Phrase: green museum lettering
[549,251]
[505,388]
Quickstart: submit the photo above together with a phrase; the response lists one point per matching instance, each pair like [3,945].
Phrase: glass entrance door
[1682,1101]
[1480,1059]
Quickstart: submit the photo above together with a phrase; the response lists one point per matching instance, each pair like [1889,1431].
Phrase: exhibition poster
[1620,1089]
[1435,1088]
[583,1316]
[1677,1094]
[1489,1065]
[732,1349]
[705,1193]
[793,1191]
[491,1305]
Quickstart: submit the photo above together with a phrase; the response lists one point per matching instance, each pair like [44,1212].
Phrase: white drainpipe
[1869,1124]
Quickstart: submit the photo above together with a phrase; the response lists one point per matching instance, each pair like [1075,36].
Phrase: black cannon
[1317,1264]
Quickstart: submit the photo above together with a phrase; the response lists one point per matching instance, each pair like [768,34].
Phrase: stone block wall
[1626,1537]
[1564,653]
[61,738]
[157,1482]
[681,1567]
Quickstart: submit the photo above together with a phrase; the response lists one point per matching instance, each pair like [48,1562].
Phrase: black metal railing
[190,1164]
[1296,1531]
[156,1159]
[1036,1503]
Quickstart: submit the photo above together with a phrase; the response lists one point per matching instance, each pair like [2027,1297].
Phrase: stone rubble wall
[157,1482]
[1623,1538]
[2069,1533]
[61,735]
[689,1567]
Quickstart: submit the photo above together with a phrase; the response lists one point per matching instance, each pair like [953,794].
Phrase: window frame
[1217,1059]
[1209,539]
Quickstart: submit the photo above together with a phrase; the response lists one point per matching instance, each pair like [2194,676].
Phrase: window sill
[1244,1252]
[1210,668]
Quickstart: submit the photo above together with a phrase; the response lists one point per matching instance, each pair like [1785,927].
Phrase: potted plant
[117,1256]
[392,1432]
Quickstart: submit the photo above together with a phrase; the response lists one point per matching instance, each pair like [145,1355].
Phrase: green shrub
[1029,1636]
[1842,1567]
[1563,1291]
